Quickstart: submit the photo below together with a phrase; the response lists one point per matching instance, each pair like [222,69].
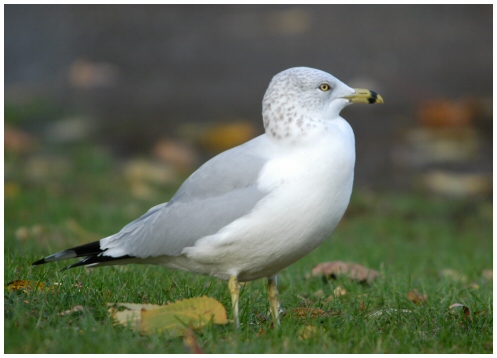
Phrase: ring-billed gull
[254,209]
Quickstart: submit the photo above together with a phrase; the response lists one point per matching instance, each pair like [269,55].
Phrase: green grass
[409,238]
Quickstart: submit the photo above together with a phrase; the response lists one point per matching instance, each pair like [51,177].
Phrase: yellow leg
[235,295]
[272,293]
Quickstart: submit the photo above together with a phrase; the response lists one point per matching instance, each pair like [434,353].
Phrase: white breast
[309,191]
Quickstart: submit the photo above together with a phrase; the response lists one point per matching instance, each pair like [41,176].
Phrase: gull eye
[324,87]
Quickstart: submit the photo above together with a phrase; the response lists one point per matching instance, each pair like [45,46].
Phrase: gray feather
[219,192]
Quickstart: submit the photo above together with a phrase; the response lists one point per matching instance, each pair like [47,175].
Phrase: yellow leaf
[132,313]
[196,311]
[24,285]
[174,318]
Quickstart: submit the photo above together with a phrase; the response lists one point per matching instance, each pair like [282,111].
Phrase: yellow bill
[362,95]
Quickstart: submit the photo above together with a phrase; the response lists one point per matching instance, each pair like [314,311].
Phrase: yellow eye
[324,87]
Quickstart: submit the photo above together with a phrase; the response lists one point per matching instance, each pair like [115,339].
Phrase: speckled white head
[299,97]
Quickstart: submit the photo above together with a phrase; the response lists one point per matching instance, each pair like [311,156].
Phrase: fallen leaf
[196,311]
[174,318]
[465,309]
[416,297]
[24,285]
[354,271]
[305,312]
[313,313]
[131,314]
[466,313]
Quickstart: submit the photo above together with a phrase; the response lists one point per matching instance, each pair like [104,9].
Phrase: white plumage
[257,208]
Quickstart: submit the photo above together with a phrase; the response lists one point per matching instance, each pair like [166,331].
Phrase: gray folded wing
[219,192]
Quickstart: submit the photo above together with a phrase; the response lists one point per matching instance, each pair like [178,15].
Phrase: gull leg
[272,293]
[234,286]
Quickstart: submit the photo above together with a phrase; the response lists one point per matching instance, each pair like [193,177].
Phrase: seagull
[255,209]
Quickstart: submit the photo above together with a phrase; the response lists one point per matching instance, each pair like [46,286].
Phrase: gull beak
[364,96]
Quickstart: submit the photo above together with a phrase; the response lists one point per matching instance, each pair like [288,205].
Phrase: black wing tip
[39,262]
[92,248]
[96,259]
[94,255]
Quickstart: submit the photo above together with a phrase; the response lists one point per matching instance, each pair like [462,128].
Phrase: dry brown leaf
[466,311]
[304,312]
[352,270]
[416,297]
[173,318]
[313,313]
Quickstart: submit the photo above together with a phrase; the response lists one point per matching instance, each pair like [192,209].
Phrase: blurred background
[161,89]
[109,108]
